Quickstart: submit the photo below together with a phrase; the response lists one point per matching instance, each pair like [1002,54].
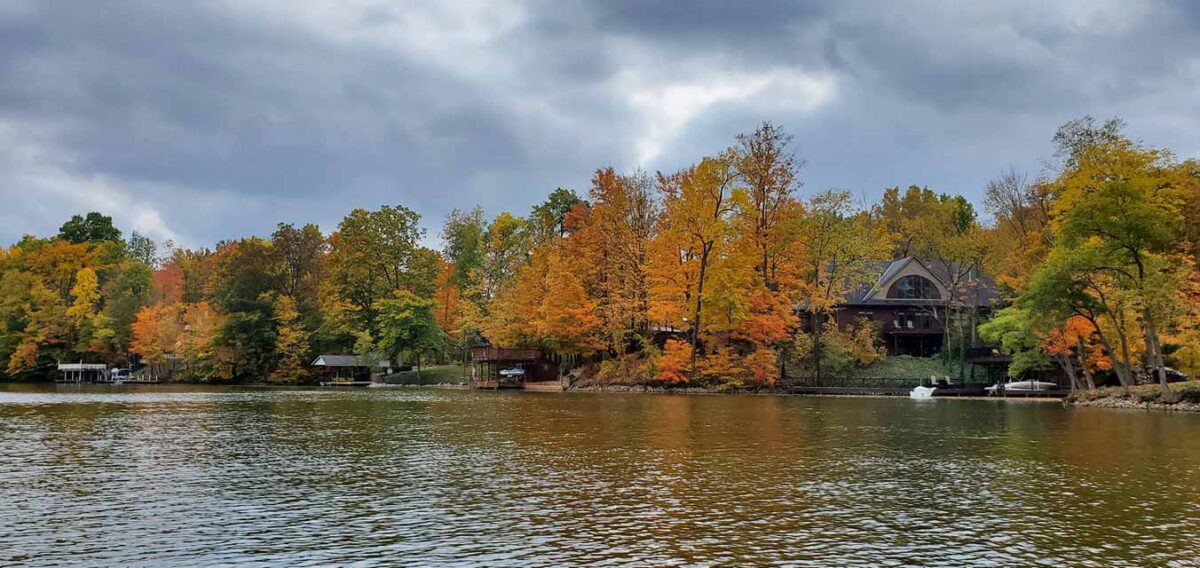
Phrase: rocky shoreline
[1142,397]
[1125,403]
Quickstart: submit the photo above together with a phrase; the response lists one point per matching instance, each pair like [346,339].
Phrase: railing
[986,353]
[494,354]
[851,382]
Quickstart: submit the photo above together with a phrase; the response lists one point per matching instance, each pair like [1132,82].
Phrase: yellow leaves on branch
[86,293]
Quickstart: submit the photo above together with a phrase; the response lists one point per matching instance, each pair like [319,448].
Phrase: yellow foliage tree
[291,342]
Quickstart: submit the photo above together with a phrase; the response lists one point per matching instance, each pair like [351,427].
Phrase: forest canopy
[726,272]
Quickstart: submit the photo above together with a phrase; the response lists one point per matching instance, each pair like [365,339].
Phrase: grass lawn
[905,367]
[434,374]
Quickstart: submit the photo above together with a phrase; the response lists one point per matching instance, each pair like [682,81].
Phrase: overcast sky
[207,120]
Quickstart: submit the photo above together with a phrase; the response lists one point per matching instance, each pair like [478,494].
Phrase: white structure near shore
[83,372]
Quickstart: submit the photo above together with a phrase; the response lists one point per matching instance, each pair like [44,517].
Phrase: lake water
[163,475]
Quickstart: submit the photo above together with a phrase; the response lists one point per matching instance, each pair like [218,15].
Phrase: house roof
[82,367]
[975,288]
[347,361]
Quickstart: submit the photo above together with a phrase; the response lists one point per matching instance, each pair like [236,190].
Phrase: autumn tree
[1021,235]
[1121,203]
[505,250]
[35,321]
[1074,283]
[918,221]
[156,333]
[291,342]
[608,249]
[769,170]
[838,247]
[568,318]
[1185,336]
[699,204]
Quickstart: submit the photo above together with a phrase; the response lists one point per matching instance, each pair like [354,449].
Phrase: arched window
[914,287]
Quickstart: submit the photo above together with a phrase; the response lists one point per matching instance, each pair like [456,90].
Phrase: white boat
[1022,387]
[513,372]
[922,392]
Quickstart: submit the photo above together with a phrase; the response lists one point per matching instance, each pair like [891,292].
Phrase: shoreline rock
[1125,403]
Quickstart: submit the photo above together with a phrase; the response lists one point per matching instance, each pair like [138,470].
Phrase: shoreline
[1126,404]
[1141,397]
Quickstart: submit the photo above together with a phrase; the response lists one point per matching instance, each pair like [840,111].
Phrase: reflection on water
[206,476]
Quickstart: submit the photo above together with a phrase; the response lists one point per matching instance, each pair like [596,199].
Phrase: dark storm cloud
[211,120]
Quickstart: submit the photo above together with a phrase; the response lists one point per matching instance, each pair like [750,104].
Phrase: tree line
[724,273]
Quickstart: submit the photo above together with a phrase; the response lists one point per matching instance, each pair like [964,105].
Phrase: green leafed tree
[407,325]
[142,249]
[547,218]
[1013,330]
[92,228]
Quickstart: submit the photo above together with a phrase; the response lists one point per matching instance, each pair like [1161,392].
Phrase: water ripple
[265,477]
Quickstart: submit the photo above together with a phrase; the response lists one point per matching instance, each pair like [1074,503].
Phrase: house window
[913,321]
[914,287]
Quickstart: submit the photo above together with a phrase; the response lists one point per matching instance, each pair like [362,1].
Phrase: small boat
[922,392]
[1022,387]
[513,372]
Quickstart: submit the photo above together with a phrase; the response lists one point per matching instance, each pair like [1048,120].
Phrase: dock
[900,388]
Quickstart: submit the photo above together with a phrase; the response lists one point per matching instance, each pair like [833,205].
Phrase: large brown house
[908,300]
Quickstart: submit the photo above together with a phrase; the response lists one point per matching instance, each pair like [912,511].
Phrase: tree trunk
[1119,366]
[1154,354]
[699,305]
[816,345]
[1065,361]
[1083,363]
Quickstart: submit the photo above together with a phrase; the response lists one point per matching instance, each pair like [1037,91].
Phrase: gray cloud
[204,121]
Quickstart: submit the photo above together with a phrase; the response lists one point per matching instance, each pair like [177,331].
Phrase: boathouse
[529,369]
[83,372]
[350,367]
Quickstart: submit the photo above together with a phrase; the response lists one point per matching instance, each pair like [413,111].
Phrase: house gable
[904,267]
